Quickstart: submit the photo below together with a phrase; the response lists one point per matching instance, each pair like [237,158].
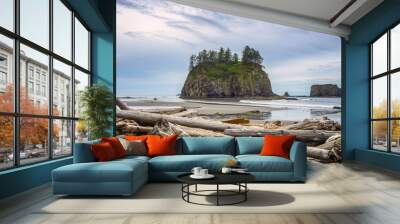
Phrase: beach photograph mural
[214,74]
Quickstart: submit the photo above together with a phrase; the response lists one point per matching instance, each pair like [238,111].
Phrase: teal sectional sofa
[125,176]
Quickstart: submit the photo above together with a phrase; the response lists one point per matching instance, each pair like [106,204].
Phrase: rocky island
[325,90]
[221,74]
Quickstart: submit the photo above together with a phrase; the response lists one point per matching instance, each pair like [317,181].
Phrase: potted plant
[97,103]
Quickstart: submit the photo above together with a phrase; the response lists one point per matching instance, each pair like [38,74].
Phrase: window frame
[388,74]
[16,114]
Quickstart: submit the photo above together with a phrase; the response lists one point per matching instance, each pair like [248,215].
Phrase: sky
[155,39]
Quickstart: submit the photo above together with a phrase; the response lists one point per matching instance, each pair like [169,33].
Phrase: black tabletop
[220,178]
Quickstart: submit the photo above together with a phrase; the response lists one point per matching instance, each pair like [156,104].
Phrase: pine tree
[213,56]
[235,58]
[221,54]
[228,56]
[258,58]
[192,62]
[246,58]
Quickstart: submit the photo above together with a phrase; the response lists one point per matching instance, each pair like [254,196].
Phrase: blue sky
[157,37]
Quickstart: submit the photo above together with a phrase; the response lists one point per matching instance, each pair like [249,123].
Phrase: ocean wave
[302,103]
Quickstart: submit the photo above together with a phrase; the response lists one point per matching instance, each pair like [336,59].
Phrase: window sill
[30,166]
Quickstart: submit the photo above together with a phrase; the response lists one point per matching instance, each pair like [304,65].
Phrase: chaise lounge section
[125,176]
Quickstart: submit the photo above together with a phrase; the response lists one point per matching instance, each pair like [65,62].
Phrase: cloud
[157,35]
[202,20]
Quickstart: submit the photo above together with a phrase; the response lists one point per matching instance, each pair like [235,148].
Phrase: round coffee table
[238,179]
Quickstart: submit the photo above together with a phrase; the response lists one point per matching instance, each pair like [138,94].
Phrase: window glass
[395,47]
[379,135]
[62,138]
[34,21]
[7,14]
[81,82]
[62,89]
[395,136]
[379,98]
[6,74]
[81,131]
[395,95]
[33,140]
[6,142]
[379,56]
[81,45]
[62,29]
[39,62]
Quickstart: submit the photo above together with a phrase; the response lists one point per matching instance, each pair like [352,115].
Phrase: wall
[100,16]
[355,64]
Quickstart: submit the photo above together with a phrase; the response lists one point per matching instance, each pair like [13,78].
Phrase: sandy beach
[256,111]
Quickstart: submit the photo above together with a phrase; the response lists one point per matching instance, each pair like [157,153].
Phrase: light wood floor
[377,188]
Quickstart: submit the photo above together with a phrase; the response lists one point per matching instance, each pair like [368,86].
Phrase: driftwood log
[310,137]
[150,119]
[186,113]
[160,110]
[122,105]
[320,154]
[164,127]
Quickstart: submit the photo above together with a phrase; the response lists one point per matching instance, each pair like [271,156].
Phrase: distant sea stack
[326,90]
[221,74]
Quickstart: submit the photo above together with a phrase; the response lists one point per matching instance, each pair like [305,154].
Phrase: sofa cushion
[249,145]
[185,163]
[206,145]
[257,163]
[112,171]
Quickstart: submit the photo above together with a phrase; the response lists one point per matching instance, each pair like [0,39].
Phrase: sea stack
[222,75]
[325,90]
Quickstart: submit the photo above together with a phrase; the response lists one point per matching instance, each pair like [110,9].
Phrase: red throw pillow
[161,145]
[277,145]
[116,145]
[136,137]
[103,152]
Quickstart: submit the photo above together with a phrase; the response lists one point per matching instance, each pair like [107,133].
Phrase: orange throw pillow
[116,145]
[161,145]
[277,145]
[103,152]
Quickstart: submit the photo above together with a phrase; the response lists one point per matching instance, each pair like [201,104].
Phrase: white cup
[226,170]
[203,172]
[196,171]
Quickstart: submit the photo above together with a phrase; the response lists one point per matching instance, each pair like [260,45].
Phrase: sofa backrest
[249,145]
[206,145]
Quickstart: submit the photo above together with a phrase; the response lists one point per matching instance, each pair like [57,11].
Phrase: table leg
[245,193]
[217,194]
[195,188]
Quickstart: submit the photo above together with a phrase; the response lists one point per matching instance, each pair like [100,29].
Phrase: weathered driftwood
[334,144]
[320,154]
[311,137]
[150,119]
[137,129]
[164,127]
[160,110]
[187,113]
[122,105]
[322,124]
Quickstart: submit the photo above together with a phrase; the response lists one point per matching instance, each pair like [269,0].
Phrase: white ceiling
[314,15]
